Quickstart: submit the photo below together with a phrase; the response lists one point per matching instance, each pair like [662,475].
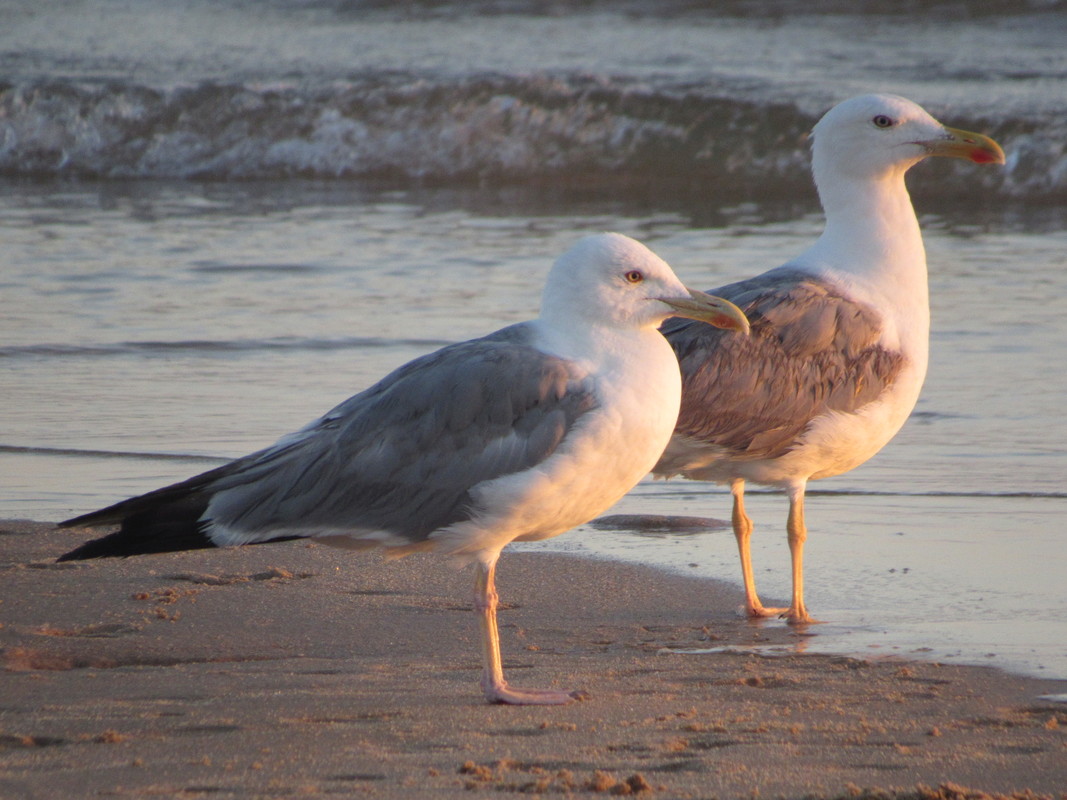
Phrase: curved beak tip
[710,309]
[976,147]
[986,157]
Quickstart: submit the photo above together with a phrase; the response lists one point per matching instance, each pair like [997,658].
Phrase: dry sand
[295,670]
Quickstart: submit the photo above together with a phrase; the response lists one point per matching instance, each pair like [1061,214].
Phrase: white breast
[602,457]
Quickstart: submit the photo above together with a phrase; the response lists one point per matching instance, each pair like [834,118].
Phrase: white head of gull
[520,435]
[840,334]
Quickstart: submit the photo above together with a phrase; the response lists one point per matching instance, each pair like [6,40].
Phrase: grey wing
[402,456]
[811,350]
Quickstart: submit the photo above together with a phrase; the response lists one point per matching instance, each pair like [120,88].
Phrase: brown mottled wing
[811,350]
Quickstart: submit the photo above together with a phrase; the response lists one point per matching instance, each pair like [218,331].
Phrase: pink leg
[493,684]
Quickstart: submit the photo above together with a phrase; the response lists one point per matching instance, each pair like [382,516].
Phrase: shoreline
[301,669]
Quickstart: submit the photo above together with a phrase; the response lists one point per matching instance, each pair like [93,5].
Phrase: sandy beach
[297,670]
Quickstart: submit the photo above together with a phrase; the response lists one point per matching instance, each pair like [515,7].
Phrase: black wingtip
[91,520]
[132,542]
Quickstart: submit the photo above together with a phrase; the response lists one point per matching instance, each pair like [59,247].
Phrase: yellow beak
[709,308]
[963,144]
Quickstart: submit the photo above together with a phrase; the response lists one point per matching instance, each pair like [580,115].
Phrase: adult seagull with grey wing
[520,435]
[840,334]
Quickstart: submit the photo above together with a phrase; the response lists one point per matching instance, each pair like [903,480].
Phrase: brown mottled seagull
[520,435]
[840,334]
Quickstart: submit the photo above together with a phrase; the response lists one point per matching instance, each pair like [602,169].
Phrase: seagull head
[879,135]
[611,279]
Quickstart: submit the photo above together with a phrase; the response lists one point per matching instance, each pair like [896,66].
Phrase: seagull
[840,334]
[516,436]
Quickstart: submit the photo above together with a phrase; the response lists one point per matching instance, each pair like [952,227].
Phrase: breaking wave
[534,128]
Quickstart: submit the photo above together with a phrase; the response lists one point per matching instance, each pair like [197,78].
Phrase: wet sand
[296,670]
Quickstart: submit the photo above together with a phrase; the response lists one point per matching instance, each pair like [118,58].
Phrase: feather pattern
[391,459]
[812,350]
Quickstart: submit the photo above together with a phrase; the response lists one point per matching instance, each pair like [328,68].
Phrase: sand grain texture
[296,670]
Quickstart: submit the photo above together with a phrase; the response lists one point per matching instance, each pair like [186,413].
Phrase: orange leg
[743,533]
[798,534]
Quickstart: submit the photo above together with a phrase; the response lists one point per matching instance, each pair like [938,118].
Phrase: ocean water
[220,219]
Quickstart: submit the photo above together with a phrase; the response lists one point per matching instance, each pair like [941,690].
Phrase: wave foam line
[207,346]
[564,130]
[88,453]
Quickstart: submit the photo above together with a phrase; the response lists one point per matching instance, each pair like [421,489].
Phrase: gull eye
[634,276]
[882,121]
